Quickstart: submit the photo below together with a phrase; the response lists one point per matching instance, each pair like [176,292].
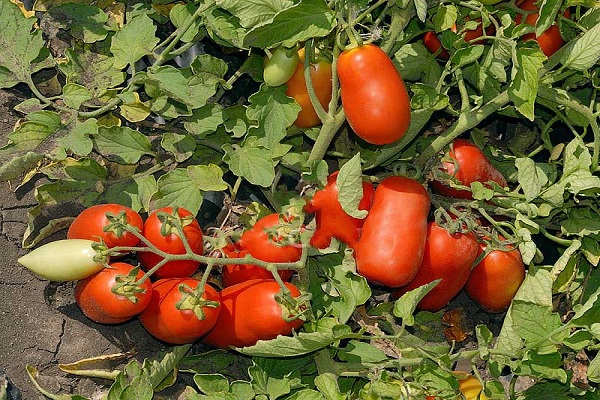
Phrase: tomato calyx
[293,308]
[103,252]
[173,223]
[118,224]
[193,300]
[128,285]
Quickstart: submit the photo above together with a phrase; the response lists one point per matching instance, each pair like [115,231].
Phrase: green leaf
[588,313]
[86,22]
[544,366]
[584,52]
[136,39]
[78,137]
[531,177]
[181,146]
[349,184]
[361,352]
[38,127]
[405,306]
[327,384]
[466,55]
[176,188]
[254,12]
[581,221]
[428,97]
[225,28]
[207,177]
[537,325]
[593,370]
[445,17]
[252,163]
[277,377]
[75,95]
[307,19]
[414,61]
[524,80]
[211,383]
[20,43]
[122,144]
[205,120]
[274,112]
[179,16]
[547,15]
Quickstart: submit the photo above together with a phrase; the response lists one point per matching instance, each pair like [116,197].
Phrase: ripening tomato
[232,274]
[92,224]
[250,312]
[63,260]
[373,94]
[473,166]
[280,66]
[392,242]
[494,282]
[550,40]
[161,232]
[448,257]
[331,219]
[178,315]
[113,295]
[321,74]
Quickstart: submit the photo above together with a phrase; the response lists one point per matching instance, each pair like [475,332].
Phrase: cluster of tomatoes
[376,106]
[397,247]
[170,302]
[549,41]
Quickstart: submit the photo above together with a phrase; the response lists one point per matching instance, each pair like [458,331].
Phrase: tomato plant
[433,43]
[331,219]
[320,75]
[373,94]
[178,313]
[550,40]
[272,239]
[64,260]
[391,246]
[161,231]
[280,66]
[105,222]
[468,164]
[113,295]
[448,257]
[250,311]
[494,281]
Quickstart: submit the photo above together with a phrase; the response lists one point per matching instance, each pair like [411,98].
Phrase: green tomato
[63,260]
[280,67]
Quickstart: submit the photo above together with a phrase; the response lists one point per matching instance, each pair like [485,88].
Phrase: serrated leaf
[20,43]
[254,12]
[524,85]
[274,112]
[252,163]
[136,39]
[307,19]
[176,188]
[536,324]
[584,52]
[531,177]
[349,184]
[77,139]
[122,144]
[207,177]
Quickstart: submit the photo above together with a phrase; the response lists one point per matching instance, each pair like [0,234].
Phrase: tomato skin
[90,222]
[321,75]
[473,166]
[550,40]
[392,243]
[171,244]
[63,260]
[249,313]
[233,274]
[332,221]
[256,241]
[448,257]
[494,282]
[165,322]
[96,300]
[374,97]
[280,67]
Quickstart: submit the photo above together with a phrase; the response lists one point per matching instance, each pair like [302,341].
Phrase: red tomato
[257,241]
[172,243]
[495,280]
[446,257]
[433,43]
[550,40]
[91,222]
[249,313]
[373,94]
[176,317]
[320,73]
[391,246]
[332,221]
[473,166]
[237,273]
[112,296]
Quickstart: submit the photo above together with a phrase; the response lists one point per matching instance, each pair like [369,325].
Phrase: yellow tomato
[471,388]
